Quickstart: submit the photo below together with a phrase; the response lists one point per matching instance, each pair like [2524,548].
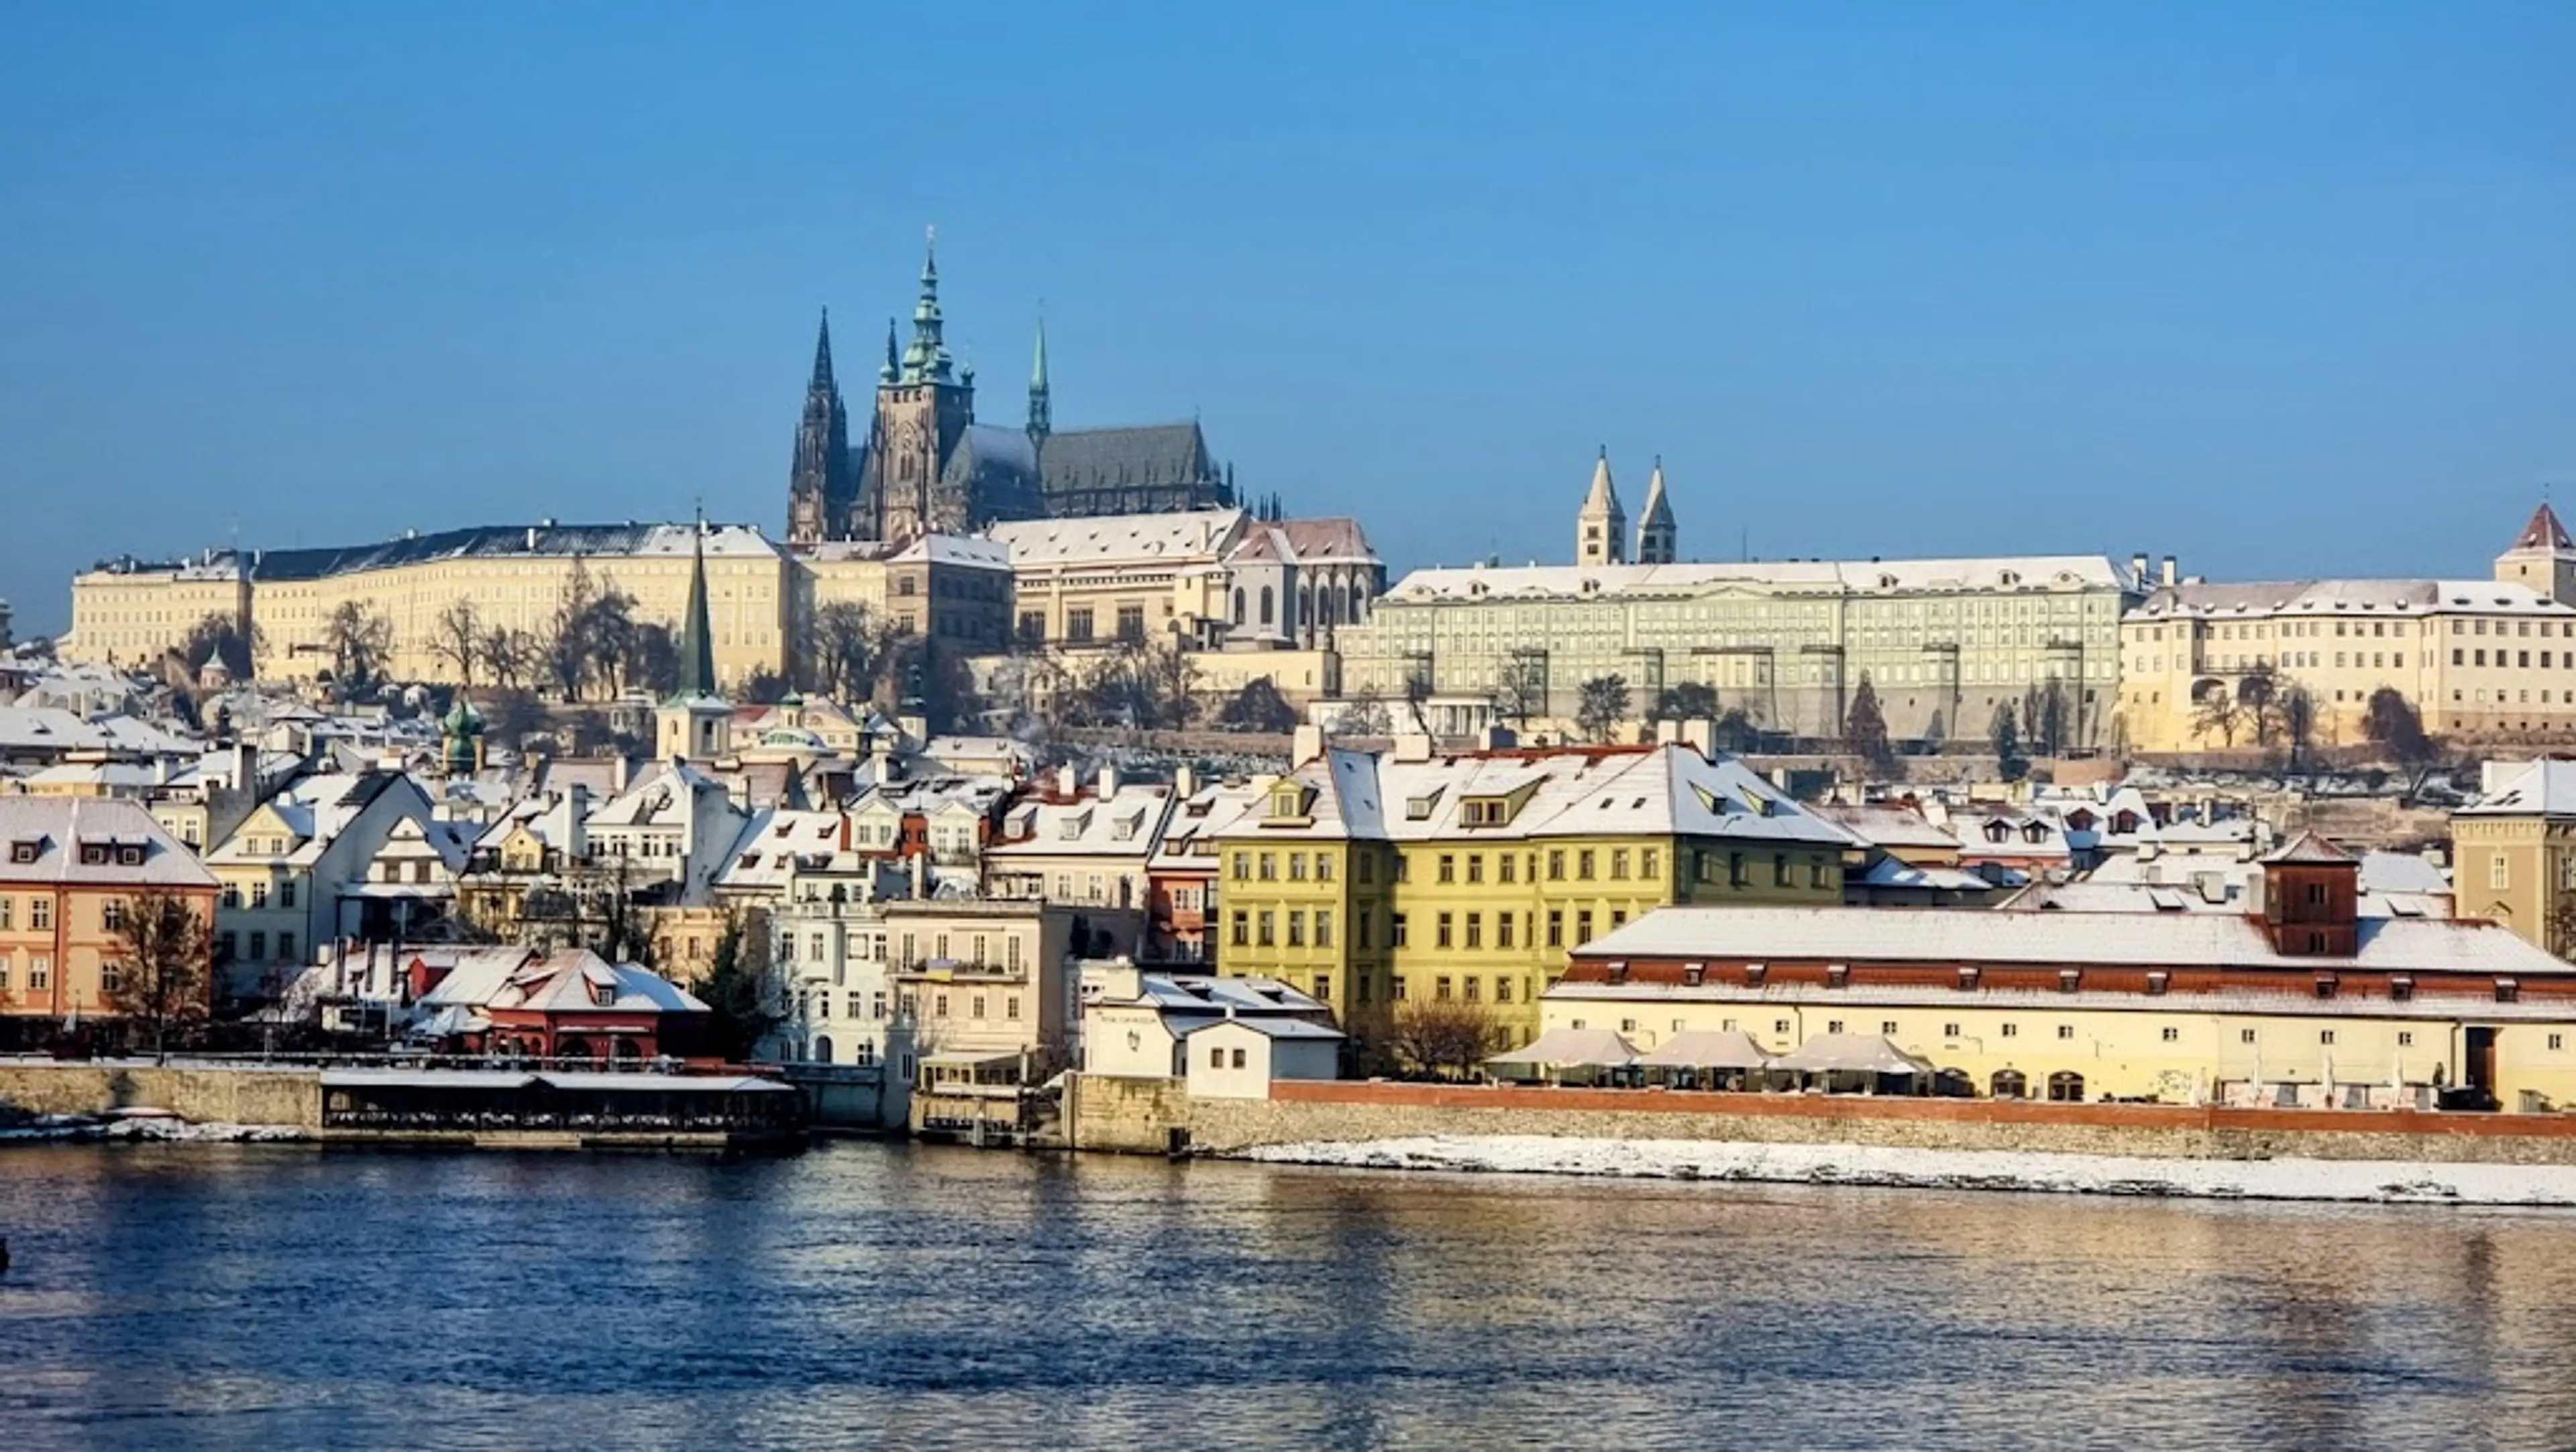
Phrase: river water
[869,1295]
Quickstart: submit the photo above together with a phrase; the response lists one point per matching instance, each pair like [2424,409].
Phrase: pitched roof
[477,541]
[2056,940]
[1828,578]
[59,827]
[2544,532]
[1113,458]
[2545,788]
[1181,537]
[2310,850]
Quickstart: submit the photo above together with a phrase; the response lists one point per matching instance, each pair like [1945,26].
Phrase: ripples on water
[868,1295]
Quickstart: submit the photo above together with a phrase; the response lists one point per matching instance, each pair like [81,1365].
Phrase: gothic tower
[2542,557]
[1041,408]
[923,408]
[1657,538]
[822,489]
[1600,530]
[692,722]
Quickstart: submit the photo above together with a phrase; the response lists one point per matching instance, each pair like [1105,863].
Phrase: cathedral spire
[892,370]
[1041,409]
[697,632]
[822,379]
[927,360]
[1658,539]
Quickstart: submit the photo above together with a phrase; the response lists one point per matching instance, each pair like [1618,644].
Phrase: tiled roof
[1117,458]
[489,541]
[1191,536]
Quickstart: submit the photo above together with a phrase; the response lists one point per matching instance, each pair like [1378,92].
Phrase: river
[866,1295]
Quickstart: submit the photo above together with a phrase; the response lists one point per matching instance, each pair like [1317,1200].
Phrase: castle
[926,466]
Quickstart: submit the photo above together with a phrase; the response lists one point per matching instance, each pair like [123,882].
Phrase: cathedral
[926,466]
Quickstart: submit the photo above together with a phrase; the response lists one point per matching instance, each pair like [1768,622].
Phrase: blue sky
[2285,289]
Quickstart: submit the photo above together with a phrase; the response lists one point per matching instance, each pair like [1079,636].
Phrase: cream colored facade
[1944,643]
[2490,659]
[516,579]
[2174,1050]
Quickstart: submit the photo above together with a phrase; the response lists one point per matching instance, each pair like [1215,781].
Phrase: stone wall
[1125,1116]
[199,1093]
[1344,1112]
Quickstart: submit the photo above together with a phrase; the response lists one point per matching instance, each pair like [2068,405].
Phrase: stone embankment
[200,1094]
[1154,1116]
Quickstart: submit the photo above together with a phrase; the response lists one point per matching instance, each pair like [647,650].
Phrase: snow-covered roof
[1571,1048]
[1883,825]
[1663,790]
[774,845]
[1128,824]
[58,828]
[2057,940]
[2257,599]
[2038,573]
[1142,540]
[2545,788]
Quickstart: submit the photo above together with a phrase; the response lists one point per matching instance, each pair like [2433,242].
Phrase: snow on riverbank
[159,1129]
[2382,1181]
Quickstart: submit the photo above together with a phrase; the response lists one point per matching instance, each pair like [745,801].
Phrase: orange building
[67,867]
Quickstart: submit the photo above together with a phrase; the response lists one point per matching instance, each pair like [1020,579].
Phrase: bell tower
[1600,530]
[923,408]
[2542,557]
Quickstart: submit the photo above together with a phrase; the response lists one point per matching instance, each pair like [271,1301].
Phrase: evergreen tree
[1865,730]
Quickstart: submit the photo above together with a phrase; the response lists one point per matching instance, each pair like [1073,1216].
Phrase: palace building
[925,464]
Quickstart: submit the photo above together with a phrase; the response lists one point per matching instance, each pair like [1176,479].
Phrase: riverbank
[2358,1181]
[155,1129]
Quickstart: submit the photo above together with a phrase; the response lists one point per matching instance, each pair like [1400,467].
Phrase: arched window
[1359,604]
[1238,605]
[2008,1084]
[822,1050]
[1265,605]
[1306,604]
[2066,1087]
[1342,606]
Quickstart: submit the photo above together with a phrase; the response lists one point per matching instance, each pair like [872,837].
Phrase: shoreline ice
[2390,1182]
[58,1128]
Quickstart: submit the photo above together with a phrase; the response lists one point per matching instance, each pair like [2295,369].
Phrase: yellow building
[1368,879]
[2491,659]
[2513,854]
[2308,1004]
[759,595]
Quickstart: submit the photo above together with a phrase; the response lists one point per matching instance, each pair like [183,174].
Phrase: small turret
[1041,409]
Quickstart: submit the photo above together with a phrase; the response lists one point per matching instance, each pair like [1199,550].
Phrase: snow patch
[147,1127]
[2372,1181]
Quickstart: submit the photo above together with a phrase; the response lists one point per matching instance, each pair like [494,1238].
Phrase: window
[2172,1035]
[2405,1039]
[2244,1036]
[2066,1031]
[1323,868]
[1077,624]
[1296,927]
[286,889]
[1131,623]
[1238,1058]
[2325,1036]
[1441,936]
[259,895]
[111,914]
[1367,928]
[2498,874]
[1735,876]
[286,947]
[111,979]
[1395,987]
[1649,864]
[2010,1030]
[1268,925]
[1440,987]
[40,973]
[1556,865]
[1949,1030]
[1475,930]
[1509,863]
[1583,864]
[978,1004]
[1556,927]
[1503,928]
[1323,988]
[1270,867]
[258,946]
[1779,869]
[1243,867]
[1296,867]
[1395,932]
[939,1005]
[1448,868]
[1367,867]
[1619,864]
[1475,989]
[1323,927]
[1216,1058]
[1887,1028]
[1583,926]
[1502,990]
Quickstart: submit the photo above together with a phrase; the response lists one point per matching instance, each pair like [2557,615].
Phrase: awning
[1700,1049]
[1849,1054]
[1571,1048]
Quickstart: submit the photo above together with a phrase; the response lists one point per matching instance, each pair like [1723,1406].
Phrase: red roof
[2544,533]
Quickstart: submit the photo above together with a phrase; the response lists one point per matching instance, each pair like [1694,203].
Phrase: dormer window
[94,854]
[26,850]
[601,995]
[1997,831]
[1288,802]
[2034,833]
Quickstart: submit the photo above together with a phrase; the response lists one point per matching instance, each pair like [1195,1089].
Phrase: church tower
[1657,538]
[2542,557]
[923,409]
[1041,408]
[821,487]
[693,723]
[1600,530]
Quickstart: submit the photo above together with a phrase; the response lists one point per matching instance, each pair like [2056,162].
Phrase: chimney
[1412,746]
[1108,780]
[920,876]
[1305,745]
[2172,574]
[1701,736]
[2137,572]
[1067,785]
[576,835]
[1185,781]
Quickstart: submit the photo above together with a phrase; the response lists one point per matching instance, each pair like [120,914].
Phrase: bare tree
[457,638]
[2259,692]
[565,652]
[1364,714]
[218,636]
[2393,722]
[1689,701]
[1602,705]
[846,650]
[2218,713]
[164,981]
[1445,1038]
[1259,707]
[1865,730]
[510,656]
[1521,691]
[361,643]
[1175,674]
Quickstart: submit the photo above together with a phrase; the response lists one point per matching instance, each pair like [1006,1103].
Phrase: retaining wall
[202,1094]
[1128,1116]
[1300,1112]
